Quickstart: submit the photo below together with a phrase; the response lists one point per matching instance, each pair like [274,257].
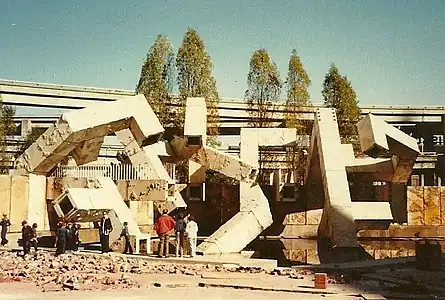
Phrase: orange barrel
[321,280]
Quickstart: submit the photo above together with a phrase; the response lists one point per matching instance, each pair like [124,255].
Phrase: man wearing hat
[4,223]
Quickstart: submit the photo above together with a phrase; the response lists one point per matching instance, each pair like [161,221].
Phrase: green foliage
[339,94]
[264,88]
[7,127]
[297,99]
[157,80]
[297,84]
[195,77]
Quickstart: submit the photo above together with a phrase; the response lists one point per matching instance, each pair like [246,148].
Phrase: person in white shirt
[192,235]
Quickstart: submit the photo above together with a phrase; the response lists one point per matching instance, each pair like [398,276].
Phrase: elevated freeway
[421,121]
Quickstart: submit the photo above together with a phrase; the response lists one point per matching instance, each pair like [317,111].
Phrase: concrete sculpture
[253,218]
[328,164]
[81,133]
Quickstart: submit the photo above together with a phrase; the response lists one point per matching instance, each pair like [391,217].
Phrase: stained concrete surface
[184,293]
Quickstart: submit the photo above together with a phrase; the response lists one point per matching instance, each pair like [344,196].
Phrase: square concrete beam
[224,163]
[90,124]
[195,124]
[239,231]
[379,139]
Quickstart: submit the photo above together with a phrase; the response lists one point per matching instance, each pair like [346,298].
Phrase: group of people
[182,228]
[29,234]
[67,237]
[67,234]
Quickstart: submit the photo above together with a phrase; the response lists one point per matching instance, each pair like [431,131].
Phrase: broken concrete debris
[88,272]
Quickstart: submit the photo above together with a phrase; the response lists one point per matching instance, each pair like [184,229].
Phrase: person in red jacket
[163,226]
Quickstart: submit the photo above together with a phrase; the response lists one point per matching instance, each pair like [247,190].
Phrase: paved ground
[22,292]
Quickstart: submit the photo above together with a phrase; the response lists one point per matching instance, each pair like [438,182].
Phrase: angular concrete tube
[83,131]
[379,139]
[243,228]
[155,170]
[341,217]
[224,163]
[87,205]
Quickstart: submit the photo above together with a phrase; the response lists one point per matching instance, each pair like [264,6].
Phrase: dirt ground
[21,292]
[78,276]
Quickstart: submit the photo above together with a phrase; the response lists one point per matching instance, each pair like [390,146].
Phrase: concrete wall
[296,228]
[23,198]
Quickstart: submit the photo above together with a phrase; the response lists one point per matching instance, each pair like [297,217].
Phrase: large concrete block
[5,194]
[314,216]
[197,173]
[298,218]
[37,200]
[415,197]
[224,163]
[88,150]
[432,205]
[377,138]
[195,124]
[240,230]
[19,201]
[90,124]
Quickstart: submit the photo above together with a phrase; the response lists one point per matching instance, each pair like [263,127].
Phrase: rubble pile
[95,271]
[291,272]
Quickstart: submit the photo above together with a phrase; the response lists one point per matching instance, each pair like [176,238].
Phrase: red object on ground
[321,280]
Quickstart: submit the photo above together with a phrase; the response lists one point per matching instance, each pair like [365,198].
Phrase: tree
[339,94]
[7,127]
[195,76]
[157,80]
[297,100]
[264,88]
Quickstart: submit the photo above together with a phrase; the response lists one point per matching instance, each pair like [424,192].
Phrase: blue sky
[392,51]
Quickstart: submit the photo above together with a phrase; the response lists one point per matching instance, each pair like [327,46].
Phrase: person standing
[34,237]
[69,237]
[26,237]
[163,226]
[61,236]
[180,232]
[4,223]
[126,234]
[105,228]
[76,237]
[192,235]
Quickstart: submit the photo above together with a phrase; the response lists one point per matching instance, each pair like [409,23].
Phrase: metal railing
[114,171]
